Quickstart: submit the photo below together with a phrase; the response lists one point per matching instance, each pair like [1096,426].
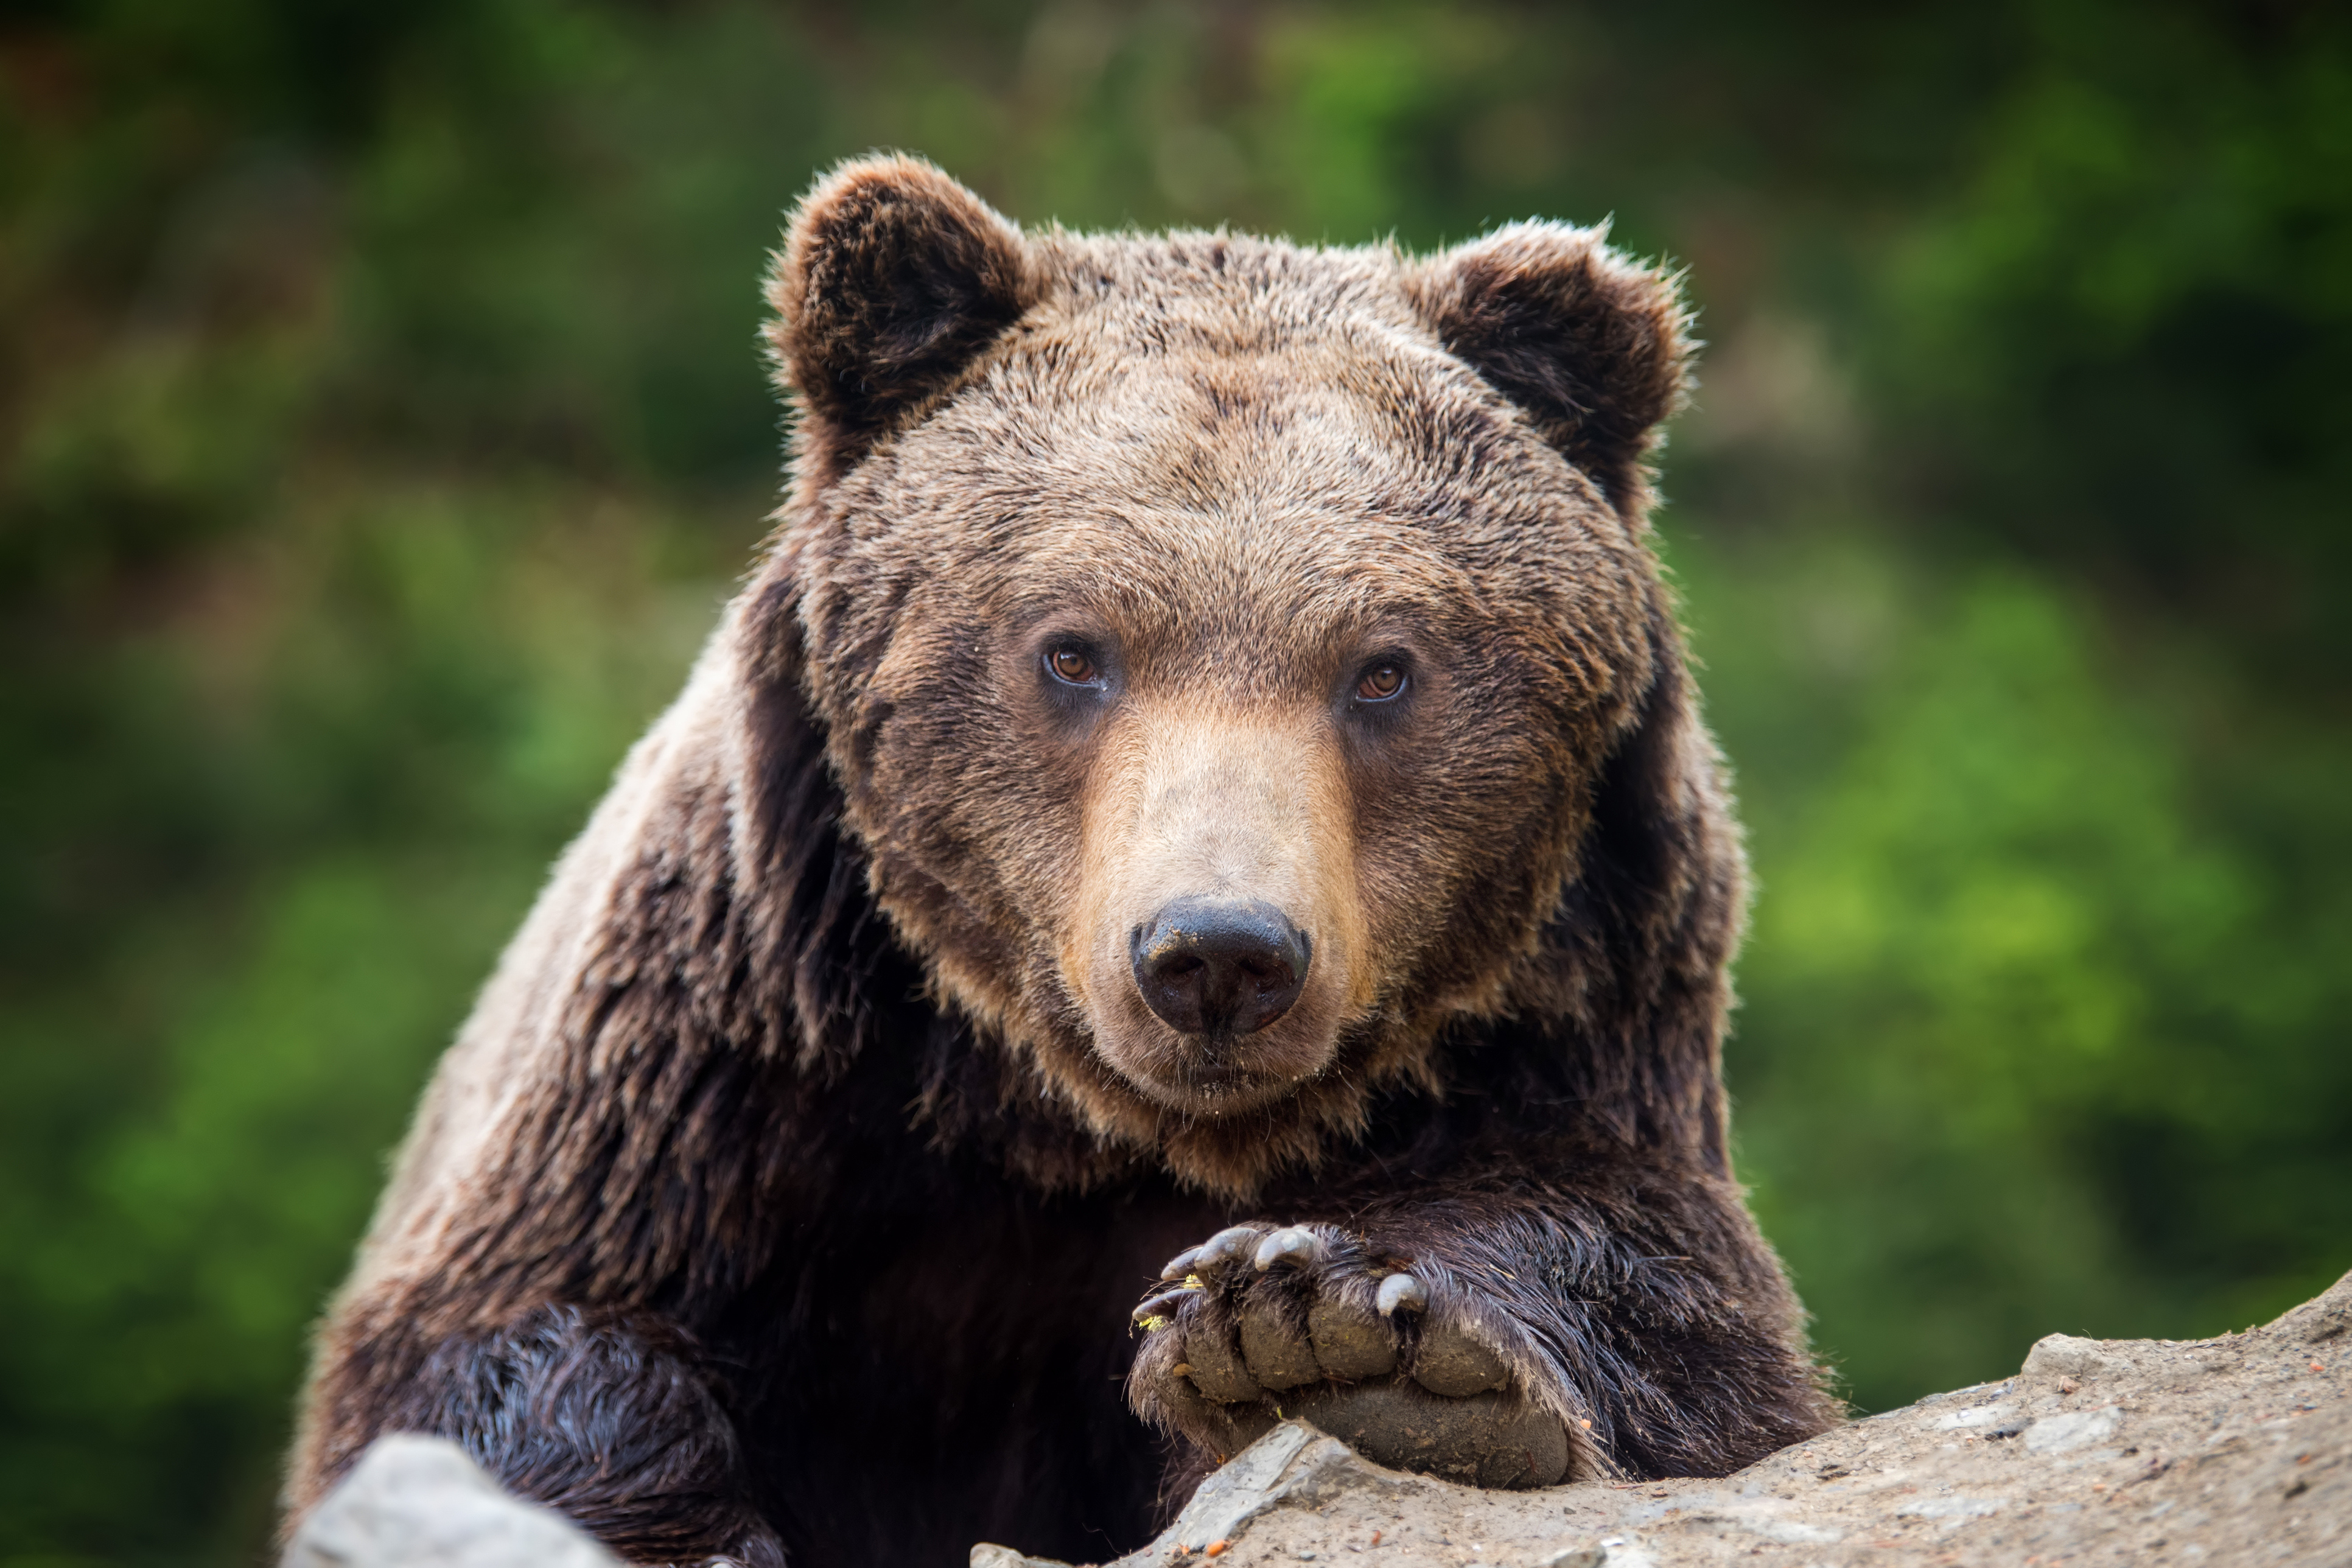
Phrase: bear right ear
[1592,346]
[892,278]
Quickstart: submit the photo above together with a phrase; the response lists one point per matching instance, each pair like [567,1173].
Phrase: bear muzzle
[1217,940]
[1219,967]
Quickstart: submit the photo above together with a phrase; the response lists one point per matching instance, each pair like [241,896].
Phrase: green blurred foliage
[380,429]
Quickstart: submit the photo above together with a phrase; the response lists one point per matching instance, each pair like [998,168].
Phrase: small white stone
[2074,1429]
[1979,1416]
[1949,1508]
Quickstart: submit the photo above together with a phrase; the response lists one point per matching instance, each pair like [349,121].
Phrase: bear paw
[1255,1325]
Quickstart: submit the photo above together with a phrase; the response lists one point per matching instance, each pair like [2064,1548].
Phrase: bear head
[1238,662]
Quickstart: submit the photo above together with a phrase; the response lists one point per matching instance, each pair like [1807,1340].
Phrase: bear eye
[1072,667]
[1381,683]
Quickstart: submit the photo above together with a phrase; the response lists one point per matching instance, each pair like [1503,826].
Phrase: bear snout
[1217,942]
[1219,966]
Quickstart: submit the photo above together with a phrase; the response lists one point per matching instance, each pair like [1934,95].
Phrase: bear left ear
[1592,346]
[892,279]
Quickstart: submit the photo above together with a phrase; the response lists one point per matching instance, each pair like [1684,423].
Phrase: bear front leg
[611,1419]
[1504,1340]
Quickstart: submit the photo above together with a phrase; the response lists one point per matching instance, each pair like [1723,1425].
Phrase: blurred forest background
[381,429]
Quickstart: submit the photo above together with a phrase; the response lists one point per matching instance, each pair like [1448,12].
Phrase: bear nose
[1217,966]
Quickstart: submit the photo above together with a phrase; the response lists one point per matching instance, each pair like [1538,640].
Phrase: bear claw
[1402,1292]
[1294,1246]
[1225,1247]
[1161,1307]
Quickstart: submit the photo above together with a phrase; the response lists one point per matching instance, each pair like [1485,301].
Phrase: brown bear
[1206,753]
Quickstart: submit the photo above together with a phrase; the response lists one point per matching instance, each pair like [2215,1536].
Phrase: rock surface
[2225,1451]
[419,1502]
[2231,1451]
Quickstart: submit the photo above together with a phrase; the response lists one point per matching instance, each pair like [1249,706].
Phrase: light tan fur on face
[1222,799]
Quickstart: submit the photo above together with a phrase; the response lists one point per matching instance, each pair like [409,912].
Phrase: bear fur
[788,1193]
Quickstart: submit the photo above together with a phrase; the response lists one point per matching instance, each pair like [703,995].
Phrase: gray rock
[2064,1355]
[419,1502]
[986,1555]
[1293,1467]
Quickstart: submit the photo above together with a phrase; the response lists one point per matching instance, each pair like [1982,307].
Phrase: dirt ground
[2225,1451]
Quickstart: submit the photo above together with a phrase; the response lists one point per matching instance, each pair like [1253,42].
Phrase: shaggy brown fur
[786,1195]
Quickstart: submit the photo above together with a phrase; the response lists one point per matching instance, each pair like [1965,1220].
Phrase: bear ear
[1593,347]
[892,278]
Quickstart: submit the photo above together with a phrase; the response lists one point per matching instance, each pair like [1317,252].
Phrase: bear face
[1290,641]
